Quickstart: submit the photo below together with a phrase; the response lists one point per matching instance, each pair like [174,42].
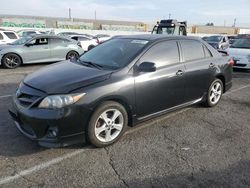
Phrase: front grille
[28,96]
[240,65]
[27,99]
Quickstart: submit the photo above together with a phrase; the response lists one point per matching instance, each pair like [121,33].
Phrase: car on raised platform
[38,49]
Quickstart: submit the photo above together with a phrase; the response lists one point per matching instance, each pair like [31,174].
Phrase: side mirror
[147,67]
[29,44]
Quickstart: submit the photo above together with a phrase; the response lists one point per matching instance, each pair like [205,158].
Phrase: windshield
[114,54]
[241,43]
[169,30]
[21,41]
[214,38]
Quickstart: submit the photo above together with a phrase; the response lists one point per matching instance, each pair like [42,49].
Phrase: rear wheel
[107,124]
[72,55]
[91,47]
[11,61]
[215,92]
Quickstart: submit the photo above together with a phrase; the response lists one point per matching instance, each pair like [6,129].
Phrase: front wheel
[11,61]
[214,94]
[72,55]
[107,124]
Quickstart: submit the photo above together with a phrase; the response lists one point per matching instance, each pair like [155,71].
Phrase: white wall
[91,32]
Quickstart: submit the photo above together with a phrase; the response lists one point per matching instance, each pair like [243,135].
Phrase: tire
[91,47]
[102,129]
[11,61]
[214,94]
[72,55]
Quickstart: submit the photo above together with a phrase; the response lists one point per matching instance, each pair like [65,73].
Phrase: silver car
[240,52]
[39,49]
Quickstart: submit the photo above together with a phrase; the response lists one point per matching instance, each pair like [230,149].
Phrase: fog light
[52,132]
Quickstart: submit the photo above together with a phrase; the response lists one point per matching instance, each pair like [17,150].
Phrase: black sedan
[119,83]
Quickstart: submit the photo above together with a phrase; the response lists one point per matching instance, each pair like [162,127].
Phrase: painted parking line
[40,166]
[238,89]
[5,96]
[57,160]
[13,73]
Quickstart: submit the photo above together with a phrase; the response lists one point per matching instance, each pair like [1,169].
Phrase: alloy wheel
[215,93]
[11,61]
[109,125]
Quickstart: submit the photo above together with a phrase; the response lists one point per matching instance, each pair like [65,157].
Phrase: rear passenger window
[162,54]
[207,52]
[192,50]
[83,39]
[10,35]
[1,36]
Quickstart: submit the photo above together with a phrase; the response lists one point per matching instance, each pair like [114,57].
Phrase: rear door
[164,88]
[199,68]
[59,48]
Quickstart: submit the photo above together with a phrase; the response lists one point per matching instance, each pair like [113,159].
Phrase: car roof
[51,36]
[80,35]
[156,37]
[8,31]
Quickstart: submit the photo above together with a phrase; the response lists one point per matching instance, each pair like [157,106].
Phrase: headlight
[59,101]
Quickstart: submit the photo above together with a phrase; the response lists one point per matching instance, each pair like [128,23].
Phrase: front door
[37,51]
[164,88]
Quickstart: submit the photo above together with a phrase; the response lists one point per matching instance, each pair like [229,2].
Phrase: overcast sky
[194,11]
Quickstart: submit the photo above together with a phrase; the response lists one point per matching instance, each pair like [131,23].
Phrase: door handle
[212,65]
[179,73]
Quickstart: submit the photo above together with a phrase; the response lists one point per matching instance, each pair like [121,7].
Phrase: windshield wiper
[91,64]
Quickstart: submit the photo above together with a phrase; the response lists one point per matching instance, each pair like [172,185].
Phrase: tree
[210,24]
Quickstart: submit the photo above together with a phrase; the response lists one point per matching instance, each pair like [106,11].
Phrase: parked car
[240,52]
[28,33]
[102,37]
[38,49]
[231,38]
[219,42]
[87,43]
[117,84]
[65,34]
[8,37]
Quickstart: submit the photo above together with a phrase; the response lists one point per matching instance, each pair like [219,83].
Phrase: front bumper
[51,128]
[241,63]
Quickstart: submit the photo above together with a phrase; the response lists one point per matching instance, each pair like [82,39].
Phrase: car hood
[238,51]
[8,46]
[212,43]
[62,78]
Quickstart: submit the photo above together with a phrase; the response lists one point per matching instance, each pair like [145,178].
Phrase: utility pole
[70,13]
[169,16]
[95,14]
[234,25]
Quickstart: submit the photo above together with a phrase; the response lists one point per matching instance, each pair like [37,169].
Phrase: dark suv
[123,81]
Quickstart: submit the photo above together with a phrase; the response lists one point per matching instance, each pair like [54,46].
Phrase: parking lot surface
[194,147]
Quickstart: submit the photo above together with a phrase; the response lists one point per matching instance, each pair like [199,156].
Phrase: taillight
[231,62]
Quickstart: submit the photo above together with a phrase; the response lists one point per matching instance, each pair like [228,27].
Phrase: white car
[240,52]
[102,37]
[8,37]
[87,43]
[27,33]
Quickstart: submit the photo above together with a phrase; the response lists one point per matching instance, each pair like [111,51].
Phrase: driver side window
[39,41]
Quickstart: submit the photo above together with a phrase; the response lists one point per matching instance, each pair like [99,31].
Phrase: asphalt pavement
[193,147]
